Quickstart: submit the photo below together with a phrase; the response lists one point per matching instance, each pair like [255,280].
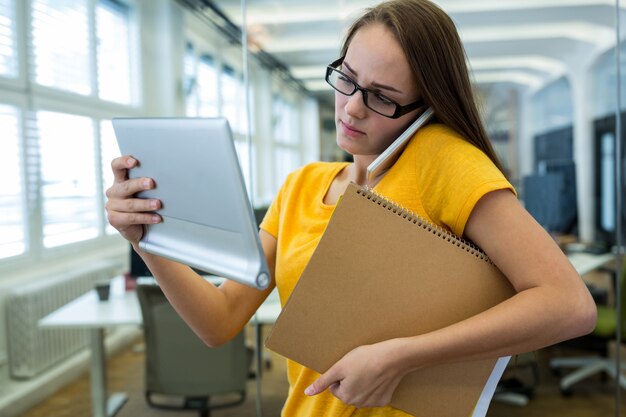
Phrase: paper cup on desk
[104,290]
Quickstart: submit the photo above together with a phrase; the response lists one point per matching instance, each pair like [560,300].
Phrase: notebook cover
[377,273]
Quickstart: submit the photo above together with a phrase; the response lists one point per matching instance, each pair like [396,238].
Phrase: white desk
[88,312]
[587,262]
[123,308]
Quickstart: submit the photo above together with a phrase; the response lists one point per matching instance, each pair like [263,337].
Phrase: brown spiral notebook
[381,272]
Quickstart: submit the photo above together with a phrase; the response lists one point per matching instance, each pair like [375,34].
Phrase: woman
[398,58]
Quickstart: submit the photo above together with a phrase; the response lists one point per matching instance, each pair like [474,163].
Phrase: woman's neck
[358,170]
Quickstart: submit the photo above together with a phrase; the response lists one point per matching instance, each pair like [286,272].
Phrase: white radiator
[32,349]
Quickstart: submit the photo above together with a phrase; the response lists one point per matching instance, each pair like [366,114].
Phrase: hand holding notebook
[404,277]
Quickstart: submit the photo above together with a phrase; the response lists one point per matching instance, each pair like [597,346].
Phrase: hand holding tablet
[207,220]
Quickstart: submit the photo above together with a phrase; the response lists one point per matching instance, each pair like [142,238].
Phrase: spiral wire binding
[415,218]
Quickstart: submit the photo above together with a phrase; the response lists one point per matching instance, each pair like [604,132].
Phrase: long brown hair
[437,58]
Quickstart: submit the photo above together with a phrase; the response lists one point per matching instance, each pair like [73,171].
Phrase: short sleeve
[453,177]
[271,219]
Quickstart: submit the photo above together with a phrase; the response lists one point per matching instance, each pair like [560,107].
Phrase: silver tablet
[208,222]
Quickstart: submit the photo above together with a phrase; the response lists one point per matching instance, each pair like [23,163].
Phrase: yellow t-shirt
[439,176]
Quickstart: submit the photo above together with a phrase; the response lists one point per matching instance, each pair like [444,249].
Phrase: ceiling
[524,43]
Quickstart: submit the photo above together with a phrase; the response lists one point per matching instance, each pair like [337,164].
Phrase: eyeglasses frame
[400,109]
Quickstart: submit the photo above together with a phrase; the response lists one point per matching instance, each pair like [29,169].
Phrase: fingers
[120,167]
[326,380]
[131,205]
[125,212]
[127,188]
[123,186]
[130,211]
[334,389]
[122,221]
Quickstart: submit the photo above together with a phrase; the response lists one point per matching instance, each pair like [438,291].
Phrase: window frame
[179,25]
[294,145]
[28,97]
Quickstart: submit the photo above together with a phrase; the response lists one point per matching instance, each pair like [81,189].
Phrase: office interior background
[546,73]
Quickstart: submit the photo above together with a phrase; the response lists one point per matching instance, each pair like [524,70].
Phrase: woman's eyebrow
[374,84]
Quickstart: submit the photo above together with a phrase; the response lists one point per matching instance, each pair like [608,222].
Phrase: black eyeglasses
[372,99]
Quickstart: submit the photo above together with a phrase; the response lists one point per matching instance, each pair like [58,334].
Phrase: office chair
[512,388]
[181,372]
[605,331]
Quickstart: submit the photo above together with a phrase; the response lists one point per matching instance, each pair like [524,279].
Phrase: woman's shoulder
[437,145]
[438,137]
[451,175]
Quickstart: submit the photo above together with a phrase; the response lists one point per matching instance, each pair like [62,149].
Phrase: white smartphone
[389,156]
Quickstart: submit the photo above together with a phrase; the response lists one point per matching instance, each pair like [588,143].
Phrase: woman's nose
[355,105]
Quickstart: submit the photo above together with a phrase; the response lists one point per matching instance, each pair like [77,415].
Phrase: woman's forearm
[524,323]
[201,305]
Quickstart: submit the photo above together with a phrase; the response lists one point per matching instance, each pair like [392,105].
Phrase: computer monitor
[567,221]
[542,199]
[550,197]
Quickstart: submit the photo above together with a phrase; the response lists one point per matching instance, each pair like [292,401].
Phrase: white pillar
[583,148]
[163,44]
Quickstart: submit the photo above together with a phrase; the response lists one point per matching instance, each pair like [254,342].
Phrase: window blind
[108,151]
[190,80]
[12,210]
[60,38]
[285,121]
[70,210]
[69,197]
[51,192]
[207,87]
[284,132]
[113,52]
[8,47]
[233,100]
[201,84]
[246,156]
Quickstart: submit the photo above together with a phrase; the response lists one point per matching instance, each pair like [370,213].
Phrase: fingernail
[309,390]
[146,183]
[156,219]
[154,204]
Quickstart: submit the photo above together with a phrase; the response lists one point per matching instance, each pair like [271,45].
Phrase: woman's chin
[354,148]
[350,145]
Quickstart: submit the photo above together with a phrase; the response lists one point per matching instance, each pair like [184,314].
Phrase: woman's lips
[349,130]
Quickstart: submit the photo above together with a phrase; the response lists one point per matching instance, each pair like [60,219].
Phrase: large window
[552,106]
[56,168]
[12,222]
[286,140]
[67,67]
[234,100]
[68,190]
[65,52]
[114,48]
[108,151]
[8,47]
[213,89]
[201,84]
[61,45]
